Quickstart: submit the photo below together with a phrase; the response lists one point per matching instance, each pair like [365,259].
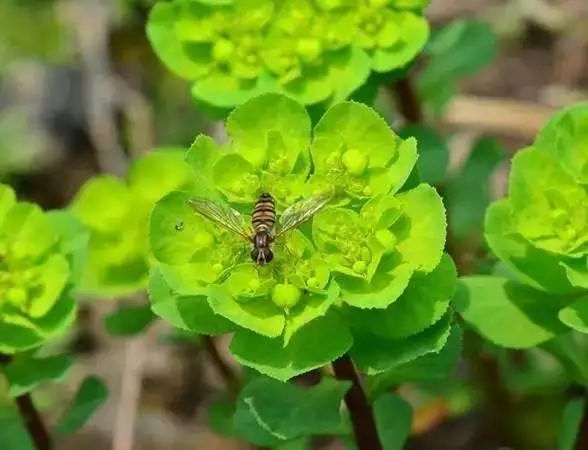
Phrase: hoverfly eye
[269,255]
[254,254]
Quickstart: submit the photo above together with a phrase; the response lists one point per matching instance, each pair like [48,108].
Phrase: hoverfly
[261,234]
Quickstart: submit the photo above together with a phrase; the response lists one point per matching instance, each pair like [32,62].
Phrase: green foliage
[540,234]
[455,51]
[91,394]
[46,41]
[393,418]
[38,257]
[269,412]
[311,51]
[128,322]
[13,434]
[570,424]
[26,373]
[374,255]
[468,193]
[116,213]
[433,366]
[508,313]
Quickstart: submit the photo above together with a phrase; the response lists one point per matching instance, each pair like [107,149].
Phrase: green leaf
[54,274]
[160,30]
[29,229]
[251,125]
[257,314]
[219,417]
[532,265]
[508,313]
[226,91]
[91,394]
[15,338]
[468,193]
[7,201]
[176,233]
[565,136]
[355,126]
[157,173]
[387,285]
[349,73]
[271,357]
[73,241]
[13,433]
[373,354]
[423,303]
[459,49]
[570,424]
[434,366]
[575,315]
[287,411]
[187,312]
[128,322]
[424,240]
[103,204]
[312,306]
[26,374]
[577,272]
[393,417]
[414,30]
[433,153]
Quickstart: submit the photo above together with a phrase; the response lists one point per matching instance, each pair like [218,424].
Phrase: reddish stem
[362,416]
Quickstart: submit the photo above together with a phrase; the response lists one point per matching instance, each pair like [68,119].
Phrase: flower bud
[285,295]
[223,50]
[355,161]
[359,267]
[308,49]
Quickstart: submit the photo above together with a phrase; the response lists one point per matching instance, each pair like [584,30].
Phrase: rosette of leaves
[366,270]
[313,51]
[540,234]
[40,255]
[115,211]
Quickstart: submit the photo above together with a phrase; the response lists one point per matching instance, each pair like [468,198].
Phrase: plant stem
[362,416]
[231,379]
[408,100]
[31,417]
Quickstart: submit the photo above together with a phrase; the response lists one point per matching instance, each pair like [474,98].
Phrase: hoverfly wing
[303,210]
[222,215]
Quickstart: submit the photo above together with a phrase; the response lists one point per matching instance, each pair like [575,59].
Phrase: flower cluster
[353,265]
[312,50]
[541,229]
[115,212]
[37,266]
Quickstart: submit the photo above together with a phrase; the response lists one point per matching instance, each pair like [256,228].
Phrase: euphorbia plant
[314,51]
[540,234]
[115,212]
[41,255]
[366,276]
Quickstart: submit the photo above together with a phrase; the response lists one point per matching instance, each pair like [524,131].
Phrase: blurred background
[81,92]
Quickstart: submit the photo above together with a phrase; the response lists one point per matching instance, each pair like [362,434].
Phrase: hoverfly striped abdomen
[264,214]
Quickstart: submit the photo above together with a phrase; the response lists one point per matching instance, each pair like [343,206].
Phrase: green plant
[115,211]
[313,51]
[367,277]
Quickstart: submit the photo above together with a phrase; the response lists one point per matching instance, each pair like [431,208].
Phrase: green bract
[39,254]
[541,229]
[353,264]
[116,211]
[310,50]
